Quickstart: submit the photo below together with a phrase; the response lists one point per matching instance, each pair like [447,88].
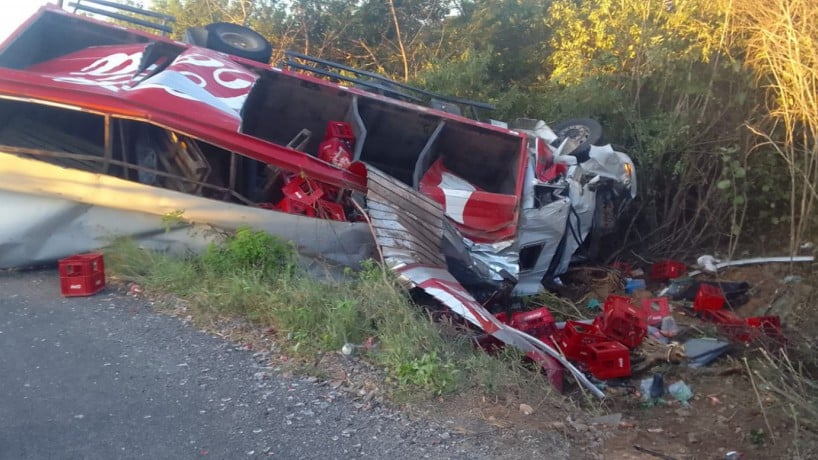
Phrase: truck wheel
[238,41]
[584,132]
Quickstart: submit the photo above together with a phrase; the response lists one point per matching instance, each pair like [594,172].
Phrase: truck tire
[239,41]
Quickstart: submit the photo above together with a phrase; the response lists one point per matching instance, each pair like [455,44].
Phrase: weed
[255,276]
[250,251]
[428,371]
[758,437]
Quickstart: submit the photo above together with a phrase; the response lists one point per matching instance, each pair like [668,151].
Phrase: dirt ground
[729,412]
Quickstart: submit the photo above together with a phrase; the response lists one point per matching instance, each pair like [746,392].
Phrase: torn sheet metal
[604,161]
[494,261]
[544,226]
[407,224]
[53,212]
[441,285]
[398,245]
[583,204]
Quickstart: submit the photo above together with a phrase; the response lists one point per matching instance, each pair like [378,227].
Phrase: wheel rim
[578,133]
[237,40]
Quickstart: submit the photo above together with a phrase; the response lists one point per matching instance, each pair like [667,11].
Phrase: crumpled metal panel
[583,203]
[407,224]
[492,260]
[53,212]
[440,284]
[606,162]
[435,279]
[546,226]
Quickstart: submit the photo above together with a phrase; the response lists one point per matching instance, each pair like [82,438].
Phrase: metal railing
[163,25]
[378,83]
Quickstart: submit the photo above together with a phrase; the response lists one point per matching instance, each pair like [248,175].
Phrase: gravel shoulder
[107,377]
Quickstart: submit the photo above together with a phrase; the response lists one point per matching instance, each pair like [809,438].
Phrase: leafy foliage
[250,251]
[667,80]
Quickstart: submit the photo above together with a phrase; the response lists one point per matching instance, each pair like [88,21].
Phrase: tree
[782,49]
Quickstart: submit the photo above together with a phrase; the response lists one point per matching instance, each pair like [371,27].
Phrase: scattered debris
[655,453]
[608,420]
[701,352]
[681,392]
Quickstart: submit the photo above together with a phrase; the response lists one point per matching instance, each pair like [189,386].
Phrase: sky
[17,11]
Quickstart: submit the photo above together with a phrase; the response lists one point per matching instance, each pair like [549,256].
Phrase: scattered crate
[575,337]
[82,274]
[709,297]
[609,360]
[623,322]
[664,270]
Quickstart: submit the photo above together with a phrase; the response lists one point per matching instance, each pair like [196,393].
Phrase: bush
[250,251]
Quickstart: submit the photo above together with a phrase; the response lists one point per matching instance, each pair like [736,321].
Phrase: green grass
[254,276]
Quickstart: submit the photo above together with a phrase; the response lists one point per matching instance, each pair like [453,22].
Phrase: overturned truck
[107,130]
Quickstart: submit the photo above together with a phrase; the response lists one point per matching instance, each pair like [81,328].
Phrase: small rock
[610,419]
[526,409]
[445,435]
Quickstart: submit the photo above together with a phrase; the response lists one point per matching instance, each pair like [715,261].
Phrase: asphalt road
[104,377]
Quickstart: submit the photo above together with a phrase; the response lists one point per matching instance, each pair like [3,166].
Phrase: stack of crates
[576,337]
[82,274]
[623,322]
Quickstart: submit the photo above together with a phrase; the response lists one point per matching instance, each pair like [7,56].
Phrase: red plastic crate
[623,322]
[303,190]
[78,286]
[82,274]
[330,210]
[655,309]
[340,130]
[539,323]
[291,206]
[766,326]
[664,270]
[576,336]
[82,264]
[708,297]
[609,360]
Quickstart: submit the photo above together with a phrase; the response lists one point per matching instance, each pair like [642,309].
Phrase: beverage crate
[576,336]
[340,130]
[329,210]
[538,323]
[303,191]
[655,309]
[709,297]
[292,206]
[82,274]
[623,322]
[664,270]
[82,264]
[609,360]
